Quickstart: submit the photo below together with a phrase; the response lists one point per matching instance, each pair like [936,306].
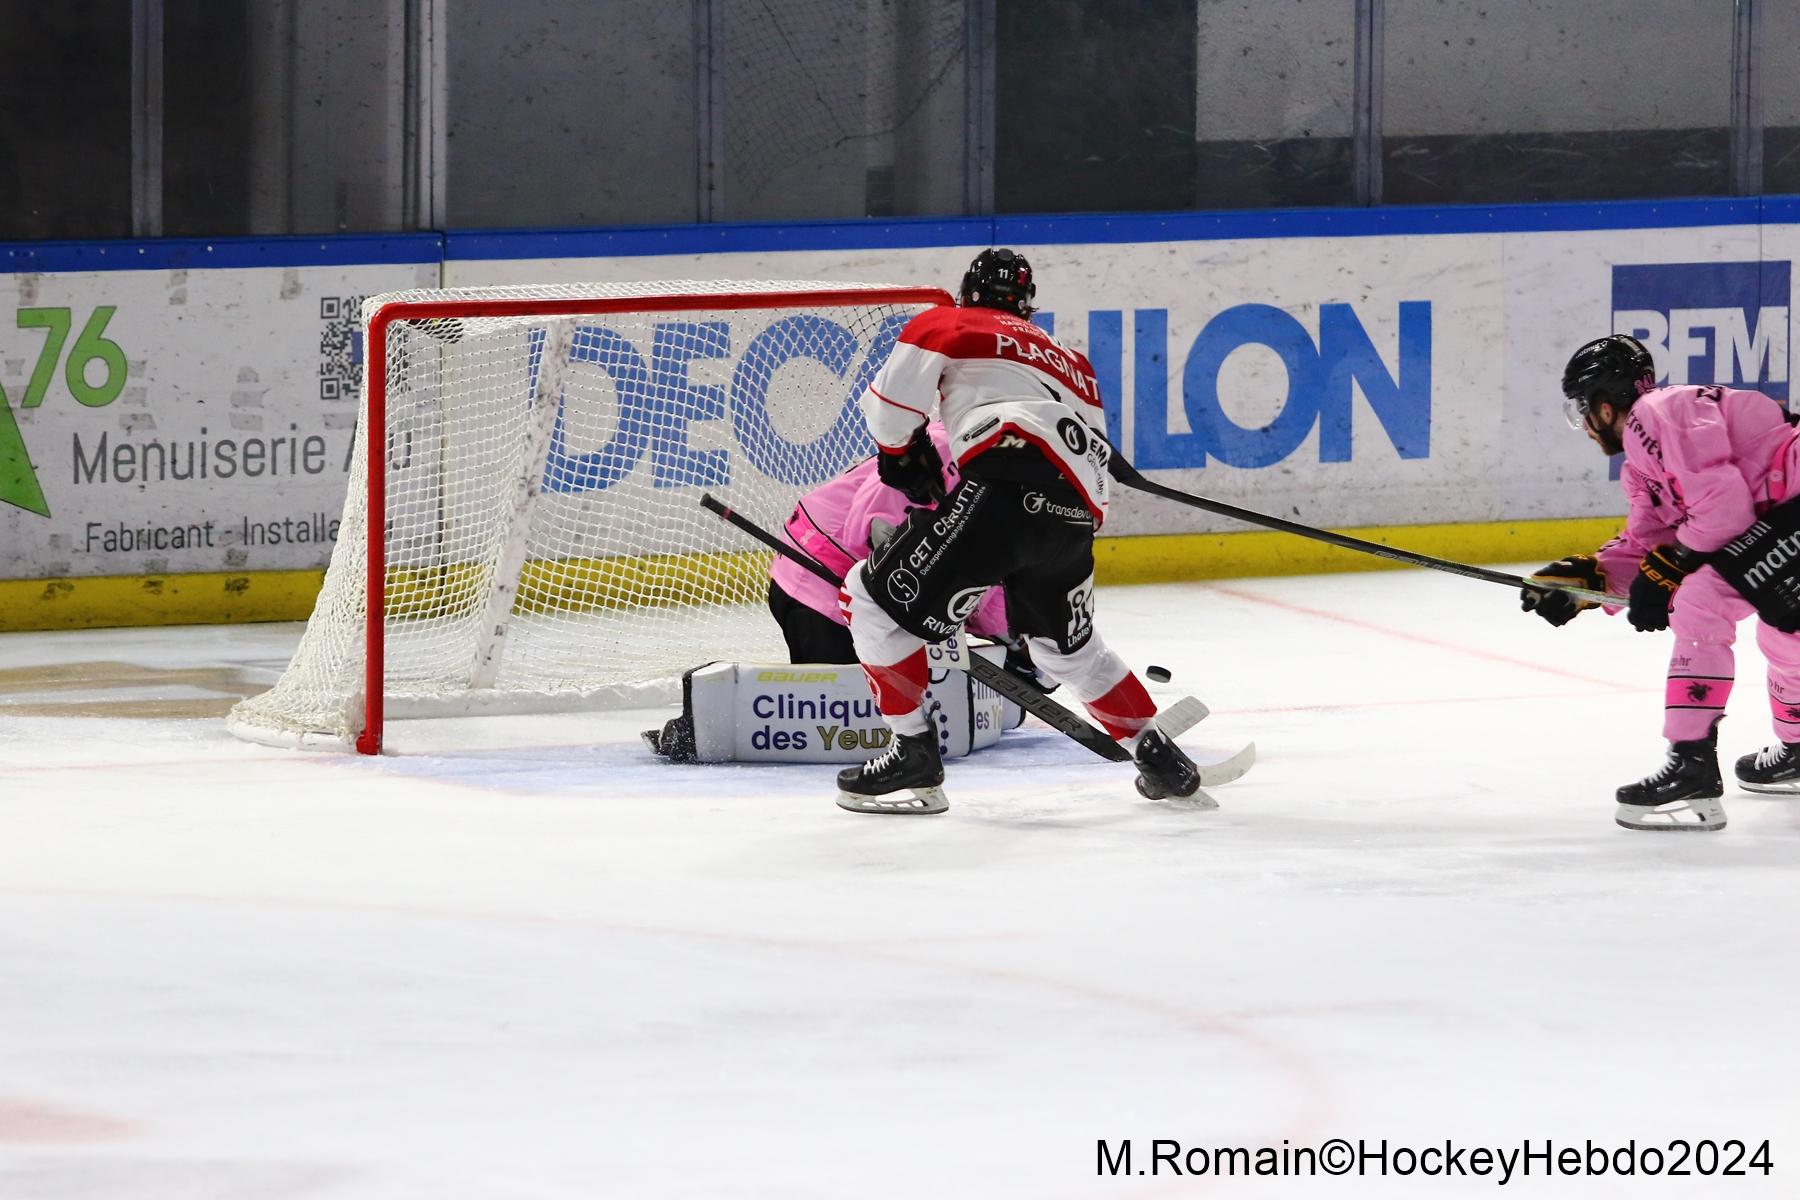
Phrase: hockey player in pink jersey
[837,524]
[1703,465]
[1027,430]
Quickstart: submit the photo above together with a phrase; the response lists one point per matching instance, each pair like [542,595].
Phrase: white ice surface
[519,959]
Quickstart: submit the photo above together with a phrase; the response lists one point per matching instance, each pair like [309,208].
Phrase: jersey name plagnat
[1036,349]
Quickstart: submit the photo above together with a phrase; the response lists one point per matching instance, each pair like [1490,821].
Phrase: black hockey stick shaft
[1131,477]
[733,517]
[996,678]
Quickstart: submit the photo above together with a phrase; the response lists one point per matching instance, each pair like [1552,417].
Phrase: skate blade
[1228,770]
[923,802]
[1789,787]
[653,739]
[1196,799]
[1199,801]
[1679,816]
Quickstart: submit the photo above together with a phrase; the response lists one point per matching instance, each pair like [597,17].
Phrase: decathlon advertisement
[1339,380]
[196,414]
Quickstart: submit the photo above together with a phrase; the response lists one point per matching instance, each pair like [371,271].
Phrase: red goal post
[534,454]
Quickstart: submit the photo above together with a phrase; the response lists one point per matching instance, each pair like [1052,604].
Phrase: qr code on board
[340,347]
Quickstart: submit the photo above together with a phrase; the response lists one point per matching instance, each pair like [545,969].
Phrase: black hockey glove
[1018,662]
[1559,608]
[915,470]
[1653,590]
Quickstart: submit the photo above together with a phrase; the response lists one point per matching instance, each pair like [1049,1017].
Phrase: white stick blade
[1181,716]
[1233,768]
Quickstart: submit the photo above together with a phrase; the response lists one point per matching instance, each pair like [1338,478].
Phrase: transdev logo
[1724,323]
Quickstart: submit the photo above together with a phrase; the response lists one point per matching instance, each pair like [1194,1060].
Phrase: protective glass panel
[1275,89]
[1778,79]
[837,108]
[1094,106]
[283,116]
[211,99]
[65,136]
[565,112]
[1555,100]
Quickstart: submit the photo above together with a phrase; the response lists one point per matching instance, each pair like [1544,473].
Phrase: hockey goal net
[522,529]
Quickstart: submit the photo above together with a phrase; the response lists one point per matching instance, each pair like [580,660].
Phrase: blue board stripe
[168,254]
[899,233]
[1377,222]
[749,237]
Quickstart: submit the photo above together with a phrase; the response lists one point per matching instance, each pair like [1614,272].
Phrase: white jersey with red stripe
[999,380]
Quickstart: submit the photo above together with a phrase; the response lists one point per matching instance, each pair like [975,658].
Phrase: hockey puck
[1158,674]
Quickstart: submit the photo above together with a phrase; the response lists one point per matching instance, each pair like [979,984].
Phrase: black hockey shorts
[1763,564]
[1036,539]
[812,637]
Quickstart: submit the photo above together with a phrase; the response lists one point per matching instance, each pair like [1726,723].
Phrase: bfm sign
[658,402]
[1723,323]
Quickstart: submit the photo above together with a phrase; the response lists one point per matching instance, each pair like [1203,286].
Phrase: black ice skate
[1683,795]
[1774,769]
[910,764]
[1165,770]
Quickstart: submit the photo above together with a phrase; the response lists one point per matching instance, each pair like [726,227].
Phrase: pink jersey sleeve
[1686,436]
[819,521]
[874,501]
[1646,527]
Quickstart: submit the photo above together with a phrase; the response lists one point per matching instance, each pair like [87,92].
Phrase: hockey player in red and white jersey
[1027,431]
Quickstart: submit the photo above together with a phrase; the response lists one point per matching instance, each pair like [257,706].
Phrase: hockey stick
[1131,477]
[998,679]
[1188,712]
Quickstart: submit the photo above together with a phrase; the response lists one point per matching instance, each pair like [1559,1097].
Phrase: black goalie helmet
[999,279]
[1615,369]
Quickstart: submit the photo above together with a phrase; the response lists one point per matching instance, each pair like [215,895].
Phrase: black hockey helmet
[1615,369]
[999,279]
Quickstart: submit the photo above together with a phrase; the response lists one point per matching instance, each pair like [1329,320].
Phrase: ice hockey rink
[519,958]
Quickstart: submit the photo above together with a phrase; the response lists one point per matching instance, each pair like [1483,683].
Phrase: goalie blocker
[818,713]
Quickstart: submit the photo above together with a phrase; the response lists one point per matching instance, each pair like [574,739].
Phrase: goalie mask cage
[522,529]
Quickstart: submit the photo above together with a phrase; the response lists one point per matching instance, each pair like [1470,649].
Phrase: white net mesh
[544,542]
